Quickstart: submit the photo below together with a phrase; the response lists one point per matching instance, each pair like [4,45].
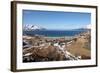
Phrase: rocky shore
[39,48]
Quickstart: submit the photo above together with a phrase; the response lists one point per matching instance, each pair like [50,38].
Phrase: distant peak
[30,27]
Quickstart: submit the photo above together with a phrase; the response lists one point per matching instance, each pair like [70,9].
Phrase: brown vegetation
[79,47]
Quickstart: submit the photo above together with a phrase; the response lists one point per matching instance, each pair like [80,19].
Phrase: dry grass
[77,48]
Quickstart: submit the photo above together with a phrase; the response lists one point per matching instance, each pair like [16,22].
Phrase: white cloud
[88,26]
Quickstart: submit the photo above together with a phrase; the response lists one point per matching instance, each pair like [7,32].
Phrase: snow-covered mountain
[31,27]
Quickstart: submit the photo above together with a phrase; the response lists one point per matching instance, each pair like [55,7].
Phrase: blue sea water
[53,33]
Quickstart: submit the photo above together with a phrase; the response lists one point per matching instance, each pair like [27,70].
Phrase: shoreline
[51,37]
[65,37]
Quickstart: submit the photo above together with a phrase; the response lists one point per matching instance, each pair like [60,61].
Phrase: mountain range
[31,27]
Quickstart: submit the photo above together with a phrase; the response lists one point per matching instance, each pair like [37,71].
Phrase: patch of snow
[27,54]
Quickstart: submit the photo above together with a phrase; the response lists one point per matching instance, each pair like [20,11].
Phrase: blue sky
[56,20]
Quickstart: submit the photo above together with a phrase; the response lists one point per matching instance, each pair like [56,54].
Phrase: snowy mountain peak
[30,27]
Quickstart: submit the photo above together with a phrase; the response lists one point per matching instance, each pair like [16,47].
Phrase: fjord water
[53,33]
